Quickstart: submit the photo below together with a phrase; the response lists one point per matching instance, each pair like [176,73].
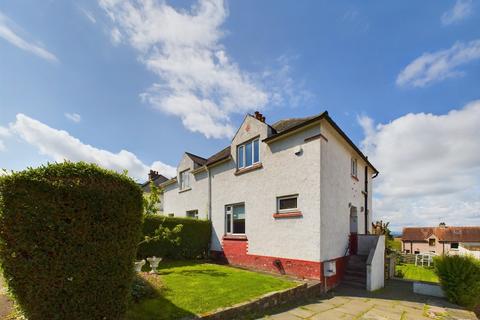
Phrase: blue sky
[157,78]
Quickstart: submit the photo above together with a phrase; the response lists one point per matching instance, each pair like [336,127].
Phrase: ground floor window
[454,245]
[287,203]
[235,218]
[192,214]
[171,215]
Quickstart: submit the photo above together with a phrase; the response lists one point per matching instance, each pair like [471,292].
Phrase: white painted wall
[178,202]
[283,173]
[339,190]
[376,265]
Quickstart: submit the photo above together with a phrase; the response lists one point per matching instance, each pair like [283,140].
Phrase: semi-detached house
[283,197]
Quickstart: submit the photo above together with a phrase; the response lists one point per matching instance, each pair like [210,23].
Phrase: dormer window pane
[241,162]
[255,151]
[248,154]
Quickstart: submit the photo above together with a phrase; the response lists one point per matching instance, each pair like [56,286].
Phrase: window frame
[457,245]
[242,149]
[354,167]
[430,241]
[231,227]
[182,179]
[289,210]
[195,214]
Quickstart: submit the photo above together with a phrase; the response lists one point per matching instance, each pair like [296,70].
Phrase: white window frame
[292,196]
[244,153]
[183,184]
[195,214]
[354,168]
[231,219]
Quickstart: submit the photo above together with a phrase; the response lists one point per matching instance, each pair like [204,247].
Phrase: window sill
[354,178]
[249,169]
[184,190]
[238,237]
[296,214]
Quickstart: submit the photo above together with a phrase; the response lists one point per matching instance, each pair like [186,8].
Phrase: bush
[460,279]
[194,238]
[68,237]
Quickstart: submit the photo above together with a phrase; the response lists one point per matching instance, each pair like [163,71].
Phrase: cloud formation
[59,145]
[75,117]
[461,10]
[7,32]
[440,65]
[197,80]
[429,167]
[4,133]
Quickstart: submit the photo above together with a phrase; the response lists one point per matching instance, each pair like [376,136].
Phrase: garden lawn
[413,272]
[186,288]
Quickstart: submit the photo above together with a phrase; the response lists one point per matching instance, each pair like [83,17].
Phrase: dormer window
[185,180]
[248,154]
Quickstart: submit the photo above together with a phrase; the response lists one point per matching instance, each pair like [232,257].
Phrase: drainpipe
[366,199]
[209,194]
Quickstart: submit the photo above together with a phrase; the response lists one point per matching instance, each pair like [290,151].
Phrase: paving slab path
[394,302]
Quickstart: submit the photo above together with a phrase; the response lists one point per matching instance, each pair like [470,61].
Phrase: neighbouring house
[157,179]
[291,197]
[442,240]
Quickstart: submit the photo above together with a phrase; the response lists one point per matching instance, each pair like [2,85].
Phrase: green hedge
[194,238]
[460,279]
[68,238]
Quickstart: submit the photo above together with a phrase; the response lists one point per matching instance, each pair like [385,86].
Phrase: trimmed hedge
[68,238]
[194,238]
[460,279]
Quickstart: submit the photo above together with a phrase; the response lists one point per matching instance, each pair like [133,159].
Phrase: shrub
[68,237]
[194,238]
[460,279]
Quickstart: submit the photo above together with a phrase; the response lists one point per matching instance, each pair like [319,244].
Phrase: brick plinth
[235,252]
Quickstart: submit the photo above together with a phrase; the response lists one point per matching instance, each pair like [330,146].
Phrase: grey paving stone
[302,312]
[332,315]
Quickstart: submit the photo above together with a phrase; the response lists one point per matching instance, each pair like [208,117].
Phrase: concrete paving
[394,302]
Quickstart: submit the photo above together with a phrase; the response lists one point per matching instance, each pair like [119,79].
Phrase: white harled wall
[178,202]
[283,173]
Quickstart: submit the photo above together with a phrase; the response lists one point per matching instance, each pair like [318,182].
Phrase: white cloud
[440,65]
[461,10]
[429,167]
[7,32]
[87,14]
[59,145]
[4,133]
[197,80]
[75,117]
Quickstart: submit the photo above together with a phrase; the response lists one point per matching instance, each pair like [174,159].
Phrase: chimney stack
[259,116]
[442,225]
[152,175]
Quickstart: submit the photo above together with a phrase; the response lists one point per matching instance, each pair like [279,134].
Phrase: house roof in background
[158,180]
[219,156]
[447,233]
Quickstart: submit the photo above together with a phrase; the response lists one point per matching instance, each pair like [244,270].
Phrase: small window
[431,242]
[171,215]
[454,245]
[354,167]
[417,252]
[184,180]
[407,251]
[248,154]
[287,203]
[192,214]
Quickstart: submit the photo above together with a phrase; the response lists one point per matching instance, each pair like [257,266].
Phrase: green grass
[412,272]
[186,288]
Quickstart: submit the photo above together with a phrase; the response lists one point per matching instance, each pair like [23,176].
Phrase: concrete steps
[356,272]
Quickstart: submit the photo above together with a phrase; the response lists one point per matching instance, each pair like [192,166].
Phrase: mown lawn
[412,272]
[185,288]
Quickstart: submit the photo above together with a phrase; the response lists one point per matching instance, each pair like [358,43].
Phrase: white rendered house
[283,197]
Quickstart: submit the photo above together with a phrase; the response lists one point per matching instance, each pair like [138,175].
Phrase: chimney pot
[152,175]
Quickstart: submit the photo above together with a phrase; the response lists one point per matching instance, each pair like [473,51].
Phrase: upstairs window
[248,154]
[354,168]
[431,242]
[184,180]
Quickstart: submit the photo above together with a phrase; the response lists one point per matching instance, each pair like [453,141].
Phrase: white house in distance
[283,197]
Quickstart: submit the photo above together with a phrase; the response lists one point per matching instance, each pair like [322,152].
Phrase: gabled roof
[219,156]
[286,124]
[196,159]
[448,234]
